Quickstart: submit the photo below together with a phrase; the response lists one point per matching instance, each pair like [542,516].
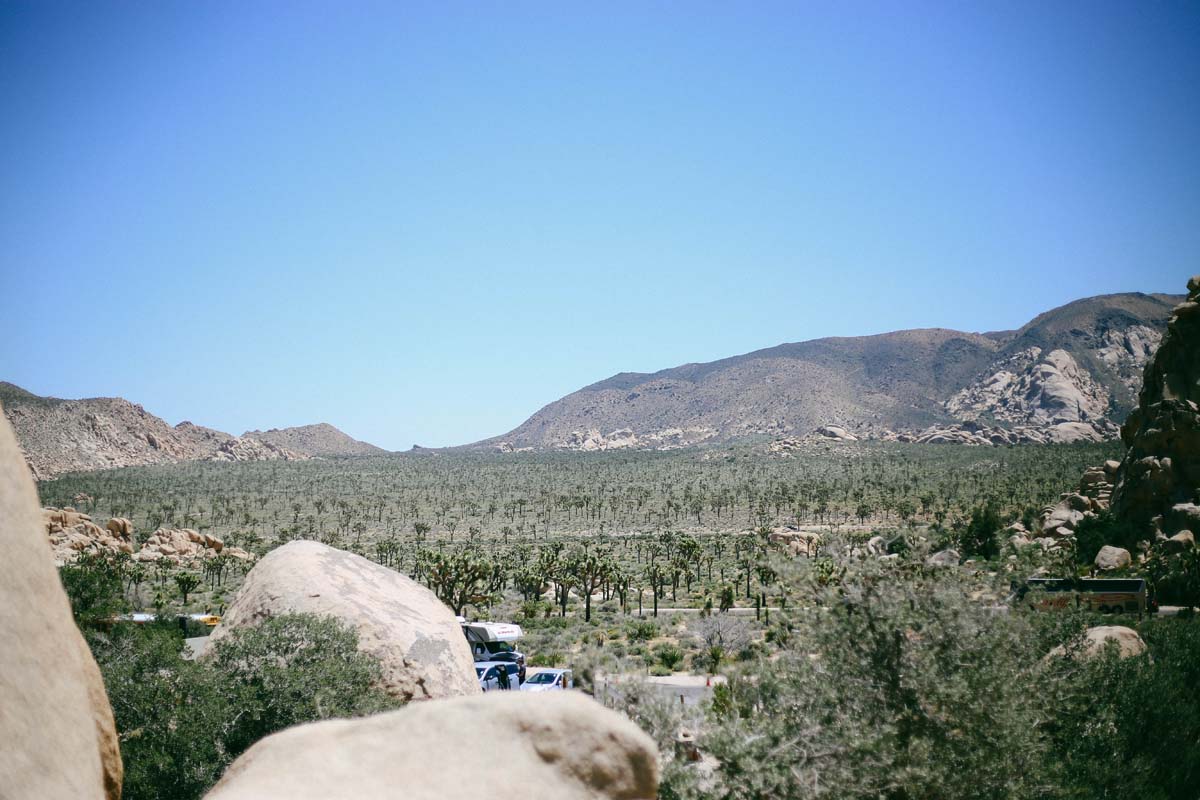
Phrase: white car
[549,680]
[489,674]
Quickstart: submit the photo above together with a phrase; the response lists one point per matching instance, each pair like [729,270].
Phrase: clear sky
[422,222]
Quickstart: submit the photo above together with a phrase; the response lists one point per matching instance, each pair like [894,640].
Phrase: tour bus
[1106,595]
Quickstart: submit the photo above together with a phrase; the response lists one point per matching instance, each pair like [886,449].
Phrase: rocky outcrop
[72,533]
[1160,474]
[556,746]
[625,439]
[184,546]
[415,637]
[59,739]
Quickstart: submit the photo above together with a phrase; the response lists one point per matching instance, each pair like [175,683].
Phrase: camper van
[495,641]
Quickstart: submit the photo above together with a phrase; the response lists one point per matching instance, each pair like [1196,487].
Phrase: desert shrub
[668,656]
[979,539]
[641,630]
[1131,727]
[182,722]
[296,668]
[173,715]
[94,587]
[1175,577]
[894,687]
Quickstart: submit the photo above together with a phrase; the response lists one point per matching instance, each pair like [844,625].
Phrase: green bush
[669,656]
[979,539]
[1131,727]
[182,722]
[1093,533]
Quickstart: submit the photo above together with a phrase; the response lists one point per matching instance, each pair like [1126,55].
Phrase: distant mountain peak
[1071,372]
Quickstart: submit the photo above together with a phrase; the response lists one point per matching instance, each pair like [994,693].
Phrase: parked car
[511,657]
[497,675]
[550,680]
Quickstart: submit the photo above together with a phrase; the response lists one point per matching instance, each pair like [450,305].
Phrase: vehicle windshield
[500,647]
[544,677]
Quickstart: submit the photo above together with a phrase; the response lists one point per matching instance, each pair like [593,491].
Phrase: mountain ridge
[60,435]
[1071,372]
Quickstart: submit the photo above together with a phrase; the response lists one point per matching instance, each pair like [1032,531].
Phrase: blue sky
[422,222]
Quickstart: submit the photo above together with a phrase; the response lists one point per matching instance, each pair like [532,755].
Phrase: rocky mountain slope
[1071,373]
[321,440]
[60,436]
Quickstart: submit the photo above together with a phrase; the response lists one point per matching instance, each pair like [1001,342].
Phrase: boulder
[119,526]
[1096,639]
[416,638]
[943,558]
[556,746]
[1110,558]
[59,739]
[1181,542]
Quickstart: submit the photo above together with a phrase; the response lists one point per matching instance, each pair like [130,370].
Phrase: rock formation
[59,739]
[1158,482]
[556,746]
[182,546]
[416,638]
[72,533]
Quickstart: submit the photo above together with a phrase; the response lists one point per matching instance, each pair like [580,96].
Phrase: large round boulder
[57,736]
[1110,558]
[419,643]
[1095,641]
[546,746]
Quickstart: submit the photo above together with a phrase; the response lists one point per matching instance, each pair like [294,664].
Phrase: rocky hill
[321,440]
[60,436]
[1071,373]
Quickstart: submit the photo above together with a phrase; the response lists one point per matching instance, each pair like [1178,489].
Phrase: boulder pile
[1058,522]
[72,533]
[416,638]
[981,435]
[184,546]
[1158,481]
